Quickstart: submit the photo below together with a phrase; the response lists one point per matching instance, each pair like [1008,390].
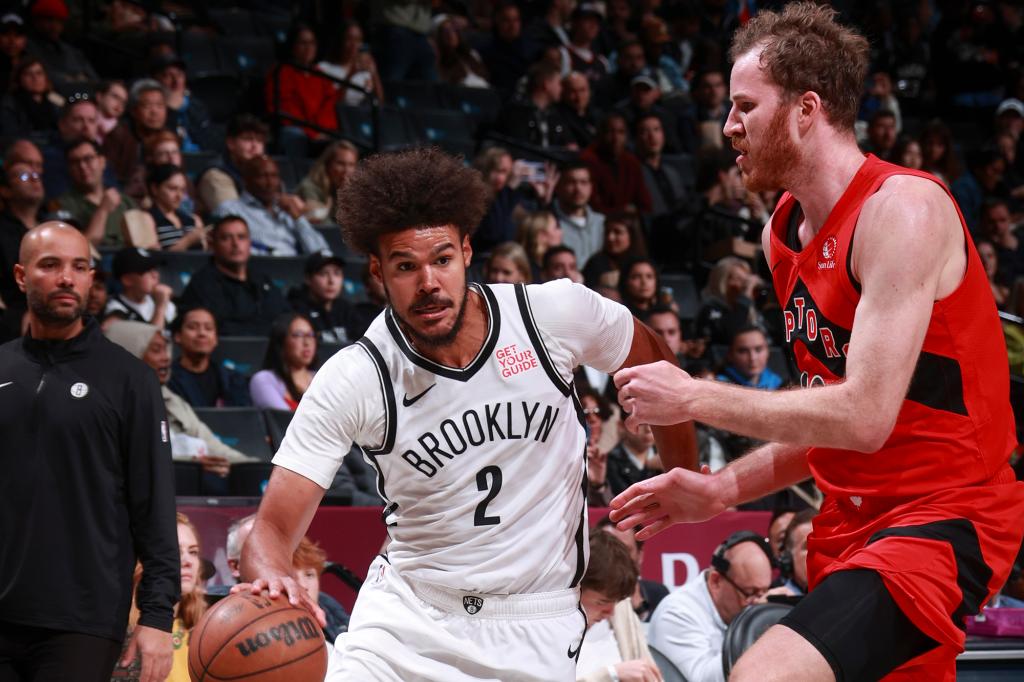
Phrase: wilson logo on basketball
[287,633]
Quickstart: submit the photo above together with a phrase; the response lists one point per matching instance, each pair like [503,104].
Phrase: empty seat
[197,162]
[324,351]
[413,95]
[233,21]
[249,479]
[684,292]
[482,104]
[243,354]
[450,130]
[245,55]
[177,268]
[220,92]
[332,235]
[241,428]
[285,271]
[199,52]
[187,477]
[357,124]
[277,425]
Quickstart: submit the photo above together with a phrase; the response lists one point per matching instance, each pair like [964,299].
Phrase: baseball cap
[55,9]
[132,260]
[587,9]
[644,79]
[319,259]
[12,21]
[1010,104]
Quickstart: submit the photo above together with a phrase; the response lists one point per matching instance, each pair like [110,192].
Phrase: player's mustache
[431,301]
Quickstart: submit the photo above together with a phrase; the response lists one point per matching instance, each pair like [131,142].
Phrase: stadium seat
[241,428]
[747,628]
[450,130]
[684,291]
[332,234]
[233,21]
[669,671]
[177,268]
[242,354]
[285,271]
[249,479]
[245,55]
[356,124]
[482,104]
[220,92]
[324,351]
[287,171]
[199,52]
[414,95]
[197,162]
[277,424]
[187,477]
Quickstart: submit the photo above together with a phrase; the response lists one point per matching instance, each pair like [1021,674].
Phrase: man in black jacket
[87,487]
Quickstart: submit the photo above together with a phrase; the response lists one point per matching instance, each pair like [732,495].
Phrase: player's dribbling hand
[156,650]
[678,496]
[285,585]
[652,394]
[638,670]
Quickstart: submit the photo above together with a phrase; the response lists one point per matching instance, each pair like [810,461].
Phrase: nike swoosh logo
[575,654]
[11,382]
[407,401]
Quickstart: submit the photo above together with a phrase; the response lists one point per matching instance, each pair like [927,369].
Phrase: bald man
[87,485]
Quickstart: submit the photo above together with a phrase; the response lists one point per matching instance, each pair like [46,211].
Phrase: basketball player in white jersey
[462,399]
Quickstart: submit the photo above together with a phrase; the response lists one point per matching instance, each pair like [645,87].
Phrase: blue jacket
[234,387]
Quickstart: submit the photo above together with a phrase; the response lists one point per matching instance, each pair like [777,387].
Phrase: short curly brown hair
[415,188]
[805,49]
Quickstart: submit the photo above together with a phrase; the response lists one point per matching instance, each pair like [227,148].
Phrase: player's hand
[653,394]
[284,585]
[677,496]
[638,670]
[156,650]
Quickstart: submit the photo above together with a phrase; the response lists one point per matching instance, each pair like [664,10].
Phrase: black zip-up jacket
[86,487]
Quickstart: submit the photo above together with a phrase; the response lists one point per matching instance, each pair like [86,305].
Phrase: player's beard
[433,340]
[49,314]
[771,165]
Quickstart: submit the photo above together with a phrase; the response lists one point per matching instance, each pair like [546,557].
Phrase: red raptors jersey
[955,427]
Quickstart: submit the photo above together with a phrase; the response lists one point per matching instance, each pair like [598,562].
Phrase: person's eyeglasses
[25,177]
[748,595]
[298,336]
[88,159]
[591,410]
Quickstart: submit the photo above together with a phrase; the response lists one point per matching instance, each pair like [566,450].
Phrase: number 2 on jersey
[481,518]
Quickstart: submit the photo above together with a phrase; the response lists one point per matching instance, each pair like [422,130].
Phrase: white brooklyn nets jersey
[482,468]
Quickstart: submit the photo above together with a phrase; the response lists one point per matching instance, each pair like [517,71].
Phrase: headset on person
[722,565]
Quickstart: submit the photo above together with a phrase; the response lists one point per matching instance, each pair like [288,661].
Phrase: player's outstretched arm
[680,496]
[285,513]
[677,443]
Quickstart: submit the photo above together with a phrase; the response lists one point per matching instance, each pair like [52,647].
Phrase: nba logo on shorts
[472,604]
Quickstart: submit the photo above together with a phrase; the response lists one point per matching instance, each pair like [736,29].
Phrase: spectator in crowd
[643,98]
[582,226]
[365,312]
[353,64]
[65,64]
[711,97]
[195,375]
[75,469]
[401,44]
[997,226]
[907,153]
[792,559]
[191,439]
[162,148]
[997,280]
[548,26]
[288,364]
[329,173]
[31,108]
[648,593]
[508,264]
[781,516]
[245,139]
[639,285]
[301,95]
[98,208]
[937,150]
[508,53]
[663,182]
[614,646]
[689,625]
[633,459]
[657,46]
[560,262]
[308,563]
[238,533]
[21,189]
[111,98]
[623,241]
[78,120]
[665,321]
[457,62]
[746,363]
[143,297]
[536,119]
[616,86]
[728,300]
[147,114]
[98,294]
[321,298]
[580,53]
[186,115]
[244,302]
[12,46]
[881,135]
[983,181]
[1010,117]
[880,97]
[596,412]
[276,227]
[577,111]
[515,187]
[538,232]
[617,174]
[724,193]
[175,228]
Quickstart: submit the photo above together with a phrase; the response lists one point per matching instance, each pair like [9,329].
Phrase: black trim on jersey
[390,409]
[973,574]
[581,564]
[938,383]
[542,352]
[457,373]
[796,214]
[849,266]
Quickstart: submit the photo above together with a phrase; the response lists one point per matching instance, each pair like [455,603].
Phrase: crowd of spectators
[599,136]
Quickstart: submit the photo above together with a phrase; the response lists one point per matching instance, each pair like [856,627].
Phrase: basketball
[246,637]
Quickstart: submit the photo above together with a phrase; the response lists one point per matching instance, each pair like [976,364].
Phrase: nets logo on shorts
[472,604]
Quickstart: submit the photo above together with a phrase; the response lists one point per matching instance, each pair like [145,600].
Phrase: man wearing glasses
[689,625]
[21,189]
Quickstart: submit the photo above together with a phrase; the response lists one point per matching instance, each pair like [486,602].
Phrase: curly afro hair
[415,188]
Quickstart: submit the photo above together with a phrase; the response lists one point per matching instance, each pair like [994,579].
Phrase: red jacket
[305,96]
[616,183]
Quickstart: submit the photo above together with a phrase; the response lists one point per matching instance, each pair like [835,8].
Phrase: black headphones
[722,565]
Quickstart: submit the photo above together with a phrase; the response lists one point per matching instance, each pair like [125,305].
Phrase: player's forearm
[833,416]
[267,552]
[762,471]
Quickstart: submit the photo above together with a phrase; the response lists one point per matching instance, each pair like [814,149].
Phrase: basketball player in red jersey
[904,419]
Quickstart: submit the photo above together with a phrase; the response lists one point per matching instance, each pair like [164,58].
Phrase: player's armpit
[677,444]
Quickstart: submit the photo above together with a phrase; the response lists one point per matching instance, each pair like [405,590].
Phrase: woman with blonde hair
[729,300]
[507,264]
[538,232]
[329,173]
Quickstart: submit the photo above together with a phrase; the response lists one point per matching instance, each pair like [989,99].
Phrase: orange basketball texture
[249,638]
